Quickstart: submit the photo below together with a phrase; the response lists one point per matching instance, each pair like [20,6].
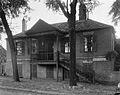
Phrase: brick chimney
[24,26]
[82,12]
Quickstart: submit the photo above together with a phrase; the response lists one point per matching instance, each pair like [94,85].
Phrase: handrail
[65,62]
[64,56]
[42,56]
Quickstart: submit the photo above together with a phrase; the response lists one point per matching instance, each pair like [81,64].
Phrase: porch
[42,48]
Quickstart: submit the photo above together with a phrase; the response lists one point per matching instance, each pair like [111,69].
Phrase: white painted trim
[20,59]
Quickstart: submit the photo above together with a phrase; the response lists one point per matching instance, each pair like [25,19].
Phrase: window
[89,43]
[88,40]
[20,47]
[67,47]
[34,46]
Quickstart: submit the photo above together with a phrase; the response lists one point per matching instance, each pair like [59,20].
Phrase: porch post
[57,59]
[30,51]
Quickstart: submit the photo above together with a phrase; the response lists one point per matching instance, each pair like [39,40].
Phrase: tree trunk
[71,23]
[12,46]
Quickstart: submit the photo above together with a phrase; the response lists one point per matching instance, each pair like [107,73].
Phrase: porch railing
[42,56]
[80,70]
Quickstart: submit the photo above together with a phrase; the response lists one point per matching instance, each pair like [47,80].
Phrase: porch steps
[81,75]
[78,73]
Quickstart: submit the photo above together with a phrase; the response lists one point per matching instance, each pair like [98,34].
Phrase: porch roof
[20,35]
[41,27]
[82,25]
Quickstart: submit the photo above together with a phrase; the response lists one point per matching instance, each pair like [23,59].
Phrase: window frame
[64,44]
[35,45]
[86,38]
[67,47]
[21,47]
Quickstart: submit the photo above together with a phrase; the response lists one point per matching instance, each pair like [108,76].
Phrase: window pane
[34,46]
[88,43]
[20,47]
[67,47]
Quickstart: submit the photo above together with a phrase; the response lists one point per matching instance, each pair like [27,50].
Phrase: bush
[111,55]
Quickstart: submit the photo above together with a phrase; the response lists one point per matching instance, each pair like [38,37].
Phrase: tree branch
[73,7]
[62,8]
[74,2]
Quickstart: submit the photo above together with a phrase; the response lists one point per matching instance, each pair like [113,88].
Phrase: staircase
[82,76]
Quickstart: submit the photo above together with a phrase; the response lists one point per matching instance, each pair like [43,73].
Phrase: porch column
[30,52]
[57,59]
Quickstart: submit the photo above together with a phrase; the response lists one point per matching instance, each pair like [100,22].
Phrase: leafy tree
[117,59]
[68,8]
[12,8]
[115,12]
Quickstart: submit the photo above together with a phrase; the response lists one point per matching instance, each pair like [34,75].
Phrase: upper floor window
[89,43]
[20,47]
[34,46]
[65,46]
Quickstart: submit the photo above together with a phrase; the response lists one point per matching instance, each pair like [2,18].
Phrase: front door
[34,67]
[45,49]
[49,72]
[20,70]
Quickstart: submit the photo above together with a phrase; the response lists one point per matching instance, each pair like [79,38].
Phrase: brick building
[37,51]
[43,51]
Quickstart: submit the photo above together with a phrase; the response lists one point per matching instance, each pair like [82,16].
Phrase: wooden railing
[42,56]
[65,62]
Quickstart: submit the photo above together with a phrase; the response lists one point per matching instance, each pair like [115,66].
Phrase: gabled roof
[41,27]
[20,35]
[82,25]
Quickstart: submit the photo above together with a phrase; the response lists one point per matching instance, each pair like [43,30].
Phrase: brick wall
[105,43]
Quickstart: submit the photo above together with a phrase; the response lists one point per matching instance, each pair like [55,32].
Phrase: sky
[100,13]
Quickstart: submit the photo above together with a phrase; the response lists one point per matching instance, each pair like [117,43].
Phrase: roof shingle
[82,25]
[41,27]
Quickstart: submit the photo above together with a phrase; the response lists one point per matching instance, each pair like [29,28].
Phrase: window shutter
[94,43]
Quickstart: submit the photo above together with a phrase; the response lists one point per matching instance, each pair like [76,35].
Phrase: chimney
[24,26]
[82,12]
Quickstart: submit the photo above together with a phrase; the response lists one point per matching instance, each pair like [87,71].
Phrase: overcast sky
[40,11]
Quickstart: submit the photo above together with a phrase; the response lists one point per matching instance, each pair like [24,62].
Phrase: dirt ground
[60,87]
